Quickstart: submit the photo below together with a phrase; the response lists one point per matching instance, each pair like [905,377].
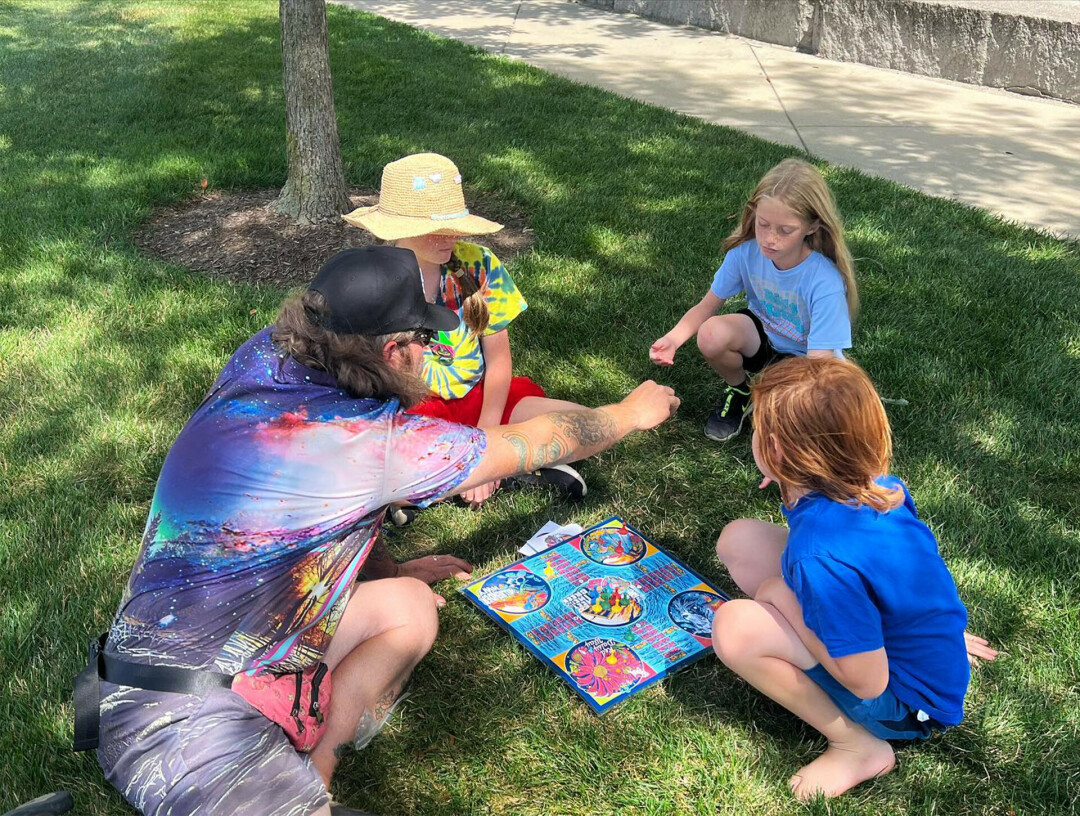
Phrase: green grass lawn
[110,109]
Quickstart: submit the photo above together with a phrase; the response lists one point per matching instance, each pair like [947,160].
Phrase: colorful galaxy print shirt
[454,362]
[267,506]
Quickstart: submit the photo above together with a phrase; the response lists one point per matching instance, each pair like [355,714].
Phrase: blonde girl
[853,622]
[789,257]
[469,370]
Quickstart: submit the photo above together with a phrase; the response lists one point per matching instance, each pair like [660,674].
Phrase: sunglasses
[423,336]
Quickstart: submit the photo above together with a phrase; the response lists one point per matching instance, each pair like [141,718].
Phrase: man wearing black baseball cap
[376,290]
[266,512]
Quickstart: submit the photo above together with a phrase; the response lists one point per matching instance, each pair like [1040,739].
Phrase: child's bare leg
[755,641]
[724,340]
[532,407]
[750,549]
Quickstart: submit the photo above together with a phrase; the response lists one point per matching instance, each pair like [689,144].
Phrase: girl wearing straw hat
[469,369]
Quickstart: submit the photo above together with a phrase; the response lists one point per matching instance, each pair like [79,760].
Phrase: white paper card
[548,536]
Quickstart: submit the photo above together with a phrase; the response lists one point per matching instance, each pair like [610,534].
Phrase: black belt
[101,666]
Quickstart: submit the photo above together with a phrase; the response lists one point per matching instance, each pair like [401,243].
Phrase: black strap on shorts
[101,666]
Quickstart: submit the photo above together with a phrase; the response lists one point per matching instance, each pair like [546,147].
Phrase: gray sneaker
[726,420]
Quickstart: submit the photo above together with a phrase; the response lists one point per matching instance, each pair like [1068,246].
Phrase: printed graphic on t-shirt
[442,350]
[798,307]
[782,314]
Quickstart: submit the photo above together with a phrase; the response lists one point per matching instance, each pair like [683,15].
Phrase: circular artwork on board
[610,601]
[692,611]
[604,667]
[515,592]
[613,546]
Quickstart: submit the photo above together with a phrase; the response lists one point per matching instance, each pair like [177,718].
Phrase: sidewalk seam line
[510,32]
[776,93]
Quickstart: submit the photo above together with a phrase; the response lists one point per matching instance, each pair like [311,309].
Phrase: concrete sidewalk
[1013,155]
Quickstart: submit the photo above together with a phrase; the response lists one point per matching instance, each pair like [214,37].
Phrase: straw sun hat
[420,195]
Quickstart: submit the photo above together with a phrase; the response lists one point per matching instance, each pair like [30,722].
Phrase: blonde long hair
[831,432]
[800,187]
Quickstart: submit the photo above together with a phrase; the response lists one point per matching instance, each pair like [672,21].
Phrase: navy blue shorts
[886,717]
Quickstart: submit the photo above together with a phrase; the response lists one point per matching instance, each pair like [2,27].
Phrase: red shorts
[466,410]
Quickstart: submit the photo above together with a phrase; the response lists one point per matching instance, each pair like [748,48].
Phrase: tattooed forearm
[531,456]
[521,446]
[587,427]
[572,431]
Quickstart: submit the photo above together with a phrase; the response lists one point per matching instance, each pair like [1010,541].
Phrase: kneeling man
[267,509]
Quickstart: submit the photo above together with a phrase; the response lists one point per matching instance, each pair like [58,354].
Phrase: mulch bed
[237,236]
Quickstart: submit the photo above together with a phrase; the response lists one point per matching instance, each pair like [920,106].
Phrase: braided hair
[473,302]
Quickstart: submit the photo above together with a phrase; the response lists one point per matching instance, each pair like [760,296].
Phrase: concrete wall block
[1034,56]
[782,22]
[681,12]
[906,35]
[1013,51]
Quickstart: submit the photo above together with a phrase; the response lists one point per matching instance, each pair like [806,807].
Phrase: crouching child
[855,625]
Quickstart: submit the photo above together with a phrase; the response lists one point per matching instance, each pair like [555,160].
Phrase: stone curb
[999,48]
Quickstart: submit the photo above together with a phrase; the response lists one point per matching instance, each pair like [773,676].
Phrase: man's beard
[413,387]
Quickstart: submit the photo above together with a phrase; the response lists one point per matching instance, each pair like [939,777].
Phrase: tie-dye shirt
[454,362]
[267,506]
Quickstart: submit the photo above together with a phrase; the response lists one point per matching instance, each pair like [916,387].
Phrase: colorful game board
[608,610]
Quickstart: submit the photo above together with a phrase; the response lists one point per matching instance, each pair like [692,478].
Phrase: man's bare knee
[417,612]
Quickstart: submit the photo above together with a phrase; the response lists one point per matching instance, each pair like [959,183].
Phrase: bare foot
[842,767]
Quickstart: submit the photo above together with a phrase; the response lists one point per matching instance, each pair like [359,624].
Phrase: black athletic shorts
[766,354]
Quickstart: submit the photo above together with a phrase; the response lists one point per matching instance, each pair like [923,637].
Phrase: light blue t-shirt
[801,308]
[867,580]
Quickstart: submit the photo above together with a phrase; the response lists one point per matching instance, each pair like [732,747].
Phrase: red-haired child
[855,625]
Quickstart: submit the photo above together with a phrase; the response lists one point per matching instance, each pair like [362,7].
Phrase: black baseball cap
[377,290]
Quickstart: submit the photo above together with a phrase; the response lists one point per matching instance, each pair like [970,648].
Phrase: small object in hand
[50,803]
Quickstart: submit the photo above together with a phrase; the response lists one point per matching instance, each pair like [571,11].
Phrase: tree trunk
[315,190]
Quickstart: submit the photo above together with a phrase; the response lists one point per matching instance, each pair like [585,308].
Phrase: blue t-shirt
[868,580]
[267,506]
[801,308]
